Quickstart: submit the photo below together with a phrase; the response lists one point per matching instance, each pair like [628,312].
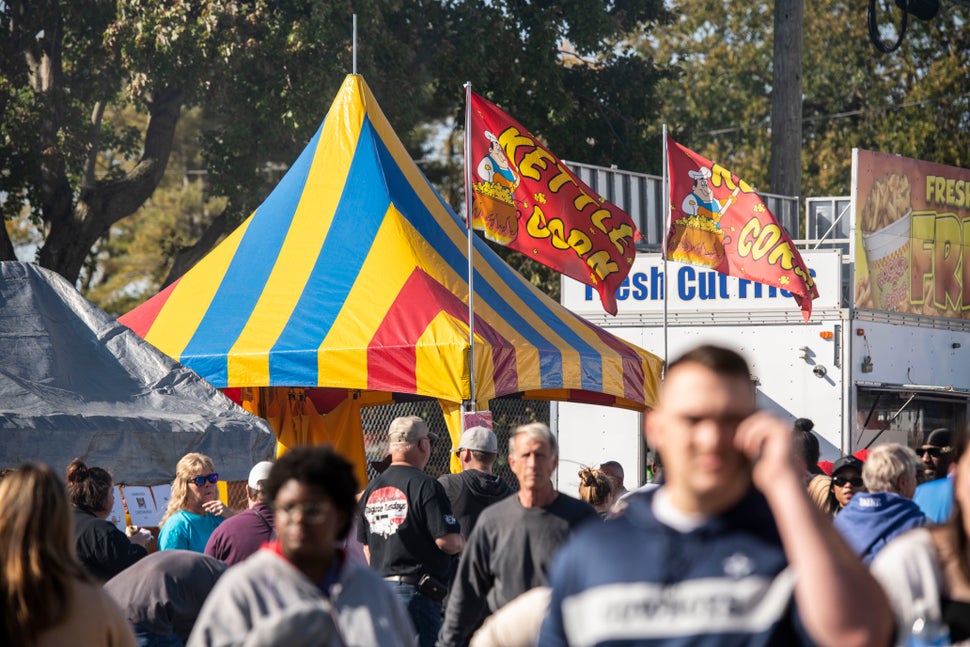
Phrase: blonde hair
[820,492]
[37,549]
[595,487]
[187,467]
[885,464]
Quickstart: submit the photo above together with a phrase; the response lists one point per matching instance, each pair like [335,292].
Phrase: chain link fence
[507,414]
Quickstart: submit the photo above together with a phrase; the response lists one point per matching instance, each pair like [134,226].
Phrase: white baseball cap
[260,472]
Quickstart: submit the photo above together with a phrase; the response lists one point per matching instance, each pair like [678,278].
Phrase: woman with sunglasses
[926,572]
[194,510]
[846,480]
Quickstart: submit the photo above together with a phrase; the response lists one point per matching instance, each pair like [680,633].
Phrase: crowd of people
[740,537]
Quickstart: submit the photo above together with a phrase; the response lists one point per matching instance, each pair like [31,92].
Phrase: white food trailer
[885,356]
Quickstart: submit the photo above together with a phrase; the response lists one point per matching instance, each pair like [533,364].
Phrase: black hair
[806,443]
[318,466]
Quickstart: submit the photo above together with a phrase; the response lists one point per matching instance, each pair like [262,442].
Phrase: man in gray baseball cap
[475,487]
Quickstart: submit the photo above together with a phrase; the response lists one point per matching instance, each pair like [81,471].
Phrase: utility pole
[786,99]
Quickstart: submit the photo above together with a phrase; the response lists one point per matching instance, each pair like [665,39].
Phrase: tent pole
[354,47]
[666,207]
[472,398]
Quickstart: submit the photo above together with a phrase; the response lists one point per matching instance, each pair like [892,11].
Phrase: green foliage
[913,102]
[74,76]
[130,264]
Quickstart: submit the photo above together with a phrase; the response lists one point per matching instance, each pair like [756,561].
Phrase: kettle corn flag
[525,198]
[718,221]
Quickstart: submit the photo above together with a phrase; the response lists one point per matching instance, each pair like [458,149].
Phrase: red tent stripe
[140,319]
[391,356]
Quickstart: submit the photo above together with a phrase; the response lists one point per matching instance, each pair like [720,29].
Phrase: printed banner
[912,226]
[690,290]
[718,221]
[525,198]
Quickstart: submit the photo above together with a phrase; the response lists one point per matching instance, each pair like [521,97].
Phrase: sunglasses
[855,481]
[200,480]
[934,452]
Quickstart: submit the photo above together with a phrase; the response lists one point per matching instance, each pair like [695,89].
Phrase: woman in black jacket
[104,550]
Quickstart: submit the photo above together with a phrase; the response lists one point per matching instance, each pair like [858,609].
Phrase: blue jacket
[873,518]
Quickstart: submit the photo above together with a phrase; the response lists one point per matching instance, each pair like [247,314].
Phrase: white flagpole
[666,232]
[470,406]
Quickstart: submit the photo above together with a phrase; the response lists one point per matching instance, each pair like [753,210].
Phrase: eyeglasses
[200,480]
[315,512]
[934,452]
[855,481]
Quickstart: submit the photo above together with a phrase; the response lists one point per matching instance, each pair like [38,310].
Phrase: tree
[913,102]
[262,73]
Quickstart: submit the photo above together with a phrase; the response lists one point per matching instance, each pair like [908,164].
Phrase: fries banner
[525,198]
[912,229]
[718,221]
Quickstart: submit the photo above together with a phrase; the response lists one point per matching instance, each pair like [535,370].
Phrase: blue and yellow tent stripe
[353,274]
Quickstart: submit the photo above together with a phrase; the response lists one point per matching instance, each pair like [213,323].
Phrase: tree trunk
[98,208]
[786,99]
[186,257]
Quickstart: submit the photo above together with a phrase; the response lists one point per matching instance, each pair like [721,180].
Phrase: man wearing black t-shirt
[408,529]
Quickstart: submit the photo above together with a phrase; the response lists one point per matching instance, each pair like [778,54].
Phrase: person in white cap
[407,527]
[240,536]
[475,487]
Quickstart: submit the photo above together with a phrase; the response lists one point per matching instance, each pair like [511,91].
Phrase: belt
[403,579]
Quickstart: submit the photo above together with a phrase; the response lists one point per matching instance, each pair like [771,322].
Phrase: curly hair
[594,487]
[37,551]
[187,466]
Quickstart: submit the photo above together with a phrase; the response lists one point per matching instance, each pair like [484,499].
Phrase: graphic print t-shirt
[402,512]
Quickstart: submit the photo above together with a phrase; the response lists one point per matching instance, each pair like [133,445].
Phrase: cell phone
[432,587]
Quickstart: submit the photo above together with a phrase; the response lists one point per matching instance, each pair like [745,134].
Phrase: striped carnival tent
[352,277]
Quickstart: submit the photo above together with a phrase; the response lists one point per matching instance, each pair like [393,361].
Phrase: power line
[839,115]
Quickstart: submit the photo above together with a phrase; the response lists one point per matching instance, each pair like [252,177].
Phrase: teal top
[187,531]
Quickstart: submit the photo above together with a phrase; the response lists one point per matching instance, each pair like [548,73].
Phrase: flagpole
[666,232]
[470,406]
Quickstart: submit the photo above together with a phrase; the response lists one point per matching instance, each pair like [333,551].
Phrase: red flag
[524,197]
[718,221]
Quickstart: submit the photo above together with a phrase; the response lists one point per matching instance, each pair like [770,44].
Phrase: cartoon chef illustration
[494,210]
[701,200]
[697,237]
[495,166]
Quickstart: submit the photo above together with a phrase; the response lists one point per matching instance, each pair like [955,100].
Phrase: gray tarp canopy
[76,383]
